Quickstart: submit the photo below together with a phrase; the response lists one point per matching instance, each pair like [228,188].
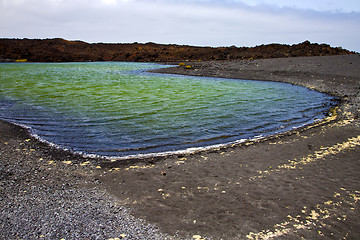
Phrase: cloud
[318,5]
[193,22]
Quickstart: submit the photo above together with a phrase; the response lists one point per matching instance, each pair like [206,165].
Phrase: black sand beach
[299,184]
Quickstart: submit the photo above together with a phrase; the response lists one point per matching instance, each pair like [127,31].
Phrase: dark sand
[300,184]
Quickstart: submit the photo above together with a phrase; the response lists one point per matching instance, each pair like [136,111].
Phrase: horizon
[203,23]
[157,43]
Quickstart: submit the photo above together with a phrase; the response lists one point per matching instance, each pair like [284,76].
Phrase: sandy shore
[299,184]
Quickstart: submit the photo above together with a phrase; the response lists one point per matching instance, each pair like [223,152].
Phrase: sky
[186,22]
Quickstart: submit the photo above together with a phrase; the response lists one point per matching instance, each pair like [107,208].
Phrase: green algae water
[118,109]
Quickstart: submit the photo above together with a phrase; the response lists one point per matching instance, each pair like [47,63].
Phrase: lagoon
[119,109]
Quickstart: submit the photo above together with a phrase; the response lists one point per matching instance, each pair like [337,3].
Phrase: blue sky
[191,22]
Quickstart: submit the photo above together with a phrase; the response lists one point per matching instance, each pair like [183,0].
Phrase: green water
[117,109]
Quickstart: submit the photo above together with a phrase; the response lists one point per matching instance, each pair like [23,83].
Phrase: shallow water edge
[192,150]
[333,117]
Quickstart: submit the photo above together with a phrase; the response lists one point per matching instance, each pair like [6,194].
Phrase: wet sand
[303,183]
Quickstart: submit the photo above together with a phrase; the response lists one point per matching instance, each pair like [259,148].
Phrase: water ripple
[116,109]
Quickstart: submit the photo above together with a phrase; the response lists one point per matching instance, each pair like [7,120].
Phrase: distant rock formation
[60,50]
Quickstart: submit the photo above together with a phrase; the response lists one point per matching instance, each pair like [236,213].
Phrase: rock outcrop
[60,50]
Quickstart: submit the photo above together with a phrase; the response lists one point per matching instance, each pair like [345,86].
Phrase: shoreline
[327,116]
[309,72]
[299,184]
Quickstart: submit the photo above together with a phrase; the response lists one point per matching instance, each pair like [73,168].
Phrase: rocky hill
[60,50]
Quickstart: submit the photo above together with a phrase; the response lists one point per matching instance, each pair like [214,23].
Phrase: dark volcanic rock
[60,50]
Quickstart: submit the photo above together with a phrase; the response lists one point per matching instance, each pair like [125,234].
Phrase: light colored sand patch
[139,167]
[351,143]
[314,218]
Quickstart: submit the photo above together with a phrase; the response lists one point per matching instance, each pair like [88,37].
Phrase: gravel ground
[49,194]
